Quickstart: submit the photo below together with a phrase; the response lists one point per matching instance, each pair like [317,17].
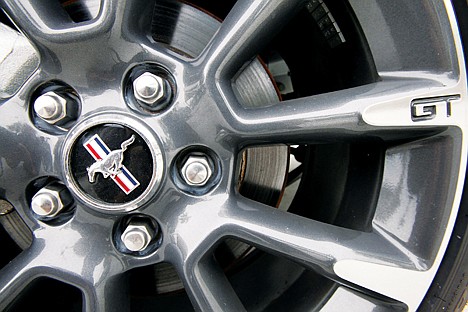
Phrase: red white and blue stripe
[99,150]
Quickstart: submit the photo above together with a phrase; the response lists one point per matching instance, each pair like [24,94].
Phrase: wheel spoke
[245,31]
[37,19]
[17,275]
[348,114]
[111,294]
[208,287]
[130,16]
[190,252]
[43,21]
[77,254]
[46,22]
[87,260]
[26,152]
[311,243]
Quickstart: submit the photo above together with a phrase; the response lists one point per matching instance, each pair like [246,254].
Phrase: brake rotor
[187,30]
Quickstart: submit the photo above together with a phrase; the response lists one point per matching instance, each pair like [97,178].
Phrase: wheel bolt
[137,236]
[48,106]
[45,204]
[55,108]
[196,171]
[151,89]
[50,200]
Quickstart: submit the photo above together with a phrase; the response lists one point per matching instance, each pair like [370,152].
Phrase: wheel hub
[113,163]
[144,158]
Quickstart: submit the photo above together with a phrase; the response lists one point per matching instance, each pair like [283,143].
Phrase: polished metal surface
[45,204]
[137,237]
[208,111]
[196,170]
[51,107]
[50,200]
[150,89]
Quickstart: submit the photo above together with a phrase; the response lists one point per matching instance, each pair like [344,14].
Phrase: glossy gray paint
[205,112]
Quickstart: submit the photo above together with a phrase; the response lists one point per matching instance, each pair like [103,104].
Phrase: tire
[244,155]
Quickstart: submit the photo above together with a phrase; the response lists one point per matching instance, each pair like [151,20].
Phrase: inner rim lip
[140,128]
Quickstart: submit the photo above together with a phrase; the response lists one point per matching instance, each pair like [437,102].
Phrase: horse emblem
[110,163]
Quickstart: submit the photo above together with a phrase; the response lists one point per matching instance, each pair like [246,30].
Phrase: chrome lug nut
[196,171]
[137,236]
[55,108]
[50,200]
[45,204]
[151,89]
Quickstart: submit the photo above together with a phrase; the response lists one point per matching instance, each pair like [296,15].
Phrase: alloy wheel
[382,154]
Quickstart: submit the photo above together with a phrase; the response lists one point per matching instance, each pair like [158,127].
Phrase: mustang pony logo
[110,163]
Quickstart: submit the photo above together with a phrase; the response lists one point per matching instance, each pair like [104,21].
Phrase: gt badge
[110,163]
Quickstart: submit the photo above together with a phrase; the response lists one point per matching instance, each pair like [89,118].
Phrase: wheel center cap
[113,163]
